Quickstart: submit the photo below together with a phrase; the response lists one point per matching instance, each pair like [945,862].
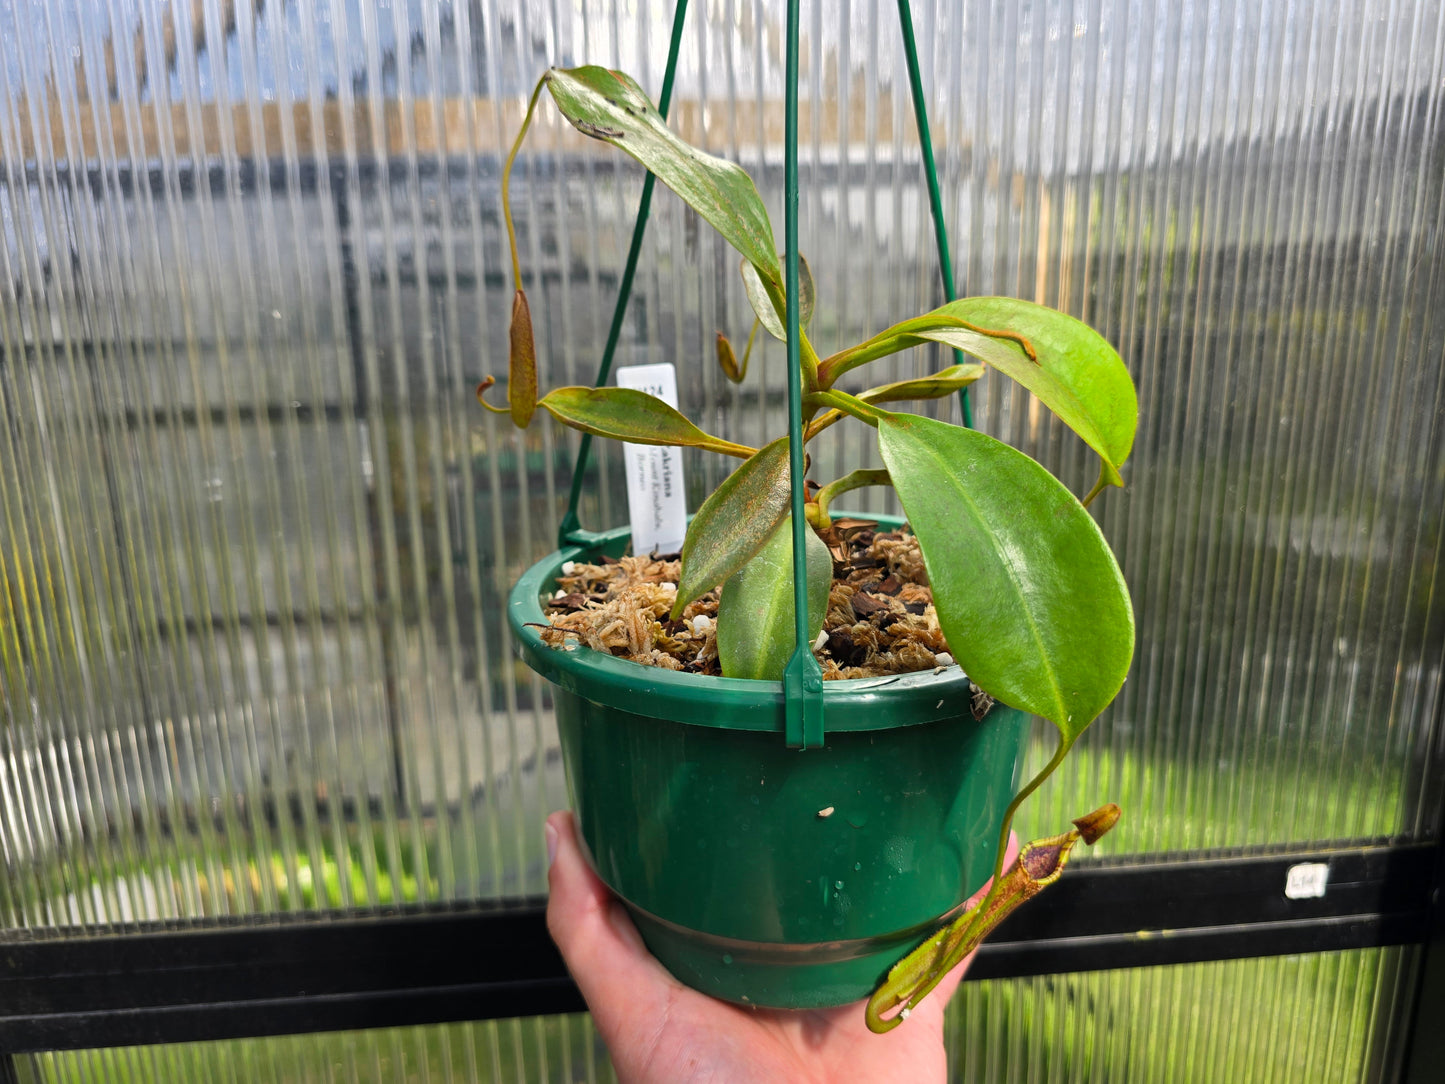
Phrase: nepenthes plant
[1027,591]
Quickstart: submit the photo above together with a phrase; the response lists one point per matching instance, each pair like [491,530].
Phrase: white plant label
[655,500]
[1307,880]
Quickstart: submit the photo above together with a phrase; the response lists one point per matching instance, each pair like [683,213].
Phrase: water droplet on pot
[857,866]
[727,959]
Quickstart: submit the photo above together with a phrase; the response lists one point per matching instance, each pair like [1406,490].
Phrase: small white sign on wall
[1307,880]
[655,499]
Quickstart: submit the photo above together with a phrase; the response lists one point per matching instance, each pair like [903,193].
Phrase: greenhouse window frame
[187,982]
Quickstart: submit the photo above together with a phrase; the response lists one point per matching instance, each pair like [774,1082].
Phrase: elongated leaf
[767,313]
[1027,591]
[1078,375]
[734,522]
[610,106]
[755,632]
[627,414]
[944,382]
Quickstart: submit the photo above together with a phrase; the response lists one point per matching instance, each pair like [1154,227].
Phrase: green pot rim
[726,703]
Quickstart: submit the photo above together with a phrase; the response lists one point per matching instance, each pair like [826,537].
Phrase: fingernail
[551,844]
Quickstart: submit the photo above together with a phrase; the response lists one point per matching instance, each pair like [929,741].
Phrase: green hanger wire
[570,533]
[803,678]
[930,171]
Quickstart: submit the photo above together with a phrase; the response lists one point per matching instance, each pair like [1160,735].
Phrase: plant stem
[807,356]
[982,909]
[966,935]
[507,179]
[848,404]
[880,345]
[1099,487]
[1065,744]
[849,482]
[904,334]
[748,350]
[816,427]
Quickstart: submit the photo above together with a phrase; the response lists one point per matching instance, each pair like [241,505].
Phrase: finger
[602,948]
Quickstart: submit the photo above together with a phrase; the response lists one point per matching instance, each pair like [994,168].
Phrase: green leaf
[1027,591]
[944,382]
[755,633]
[627,414]
[734,522]
[777,322]
[1078,375]
[610,106]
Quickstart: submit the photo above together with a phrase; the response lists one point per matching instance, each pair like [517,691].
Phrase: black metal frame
[187,982]
[1424,1051]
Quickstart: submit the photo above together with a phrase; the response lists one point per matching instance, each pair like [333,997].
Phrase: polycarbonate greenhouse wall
[255,533]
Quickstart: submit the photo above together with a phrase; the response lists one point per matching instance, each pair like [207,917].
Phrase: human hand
[658,1030]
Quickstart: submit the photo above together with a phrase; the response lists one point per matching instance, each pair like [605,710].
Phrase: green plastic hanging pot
[761,874]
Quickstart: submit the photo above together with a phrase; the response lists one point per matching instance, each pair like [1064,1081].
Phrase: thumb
[617,975]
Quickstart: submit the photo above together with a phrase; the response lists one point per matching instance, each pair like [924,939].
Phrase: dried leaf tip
[1093,825]
[522,375]
[727,360]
